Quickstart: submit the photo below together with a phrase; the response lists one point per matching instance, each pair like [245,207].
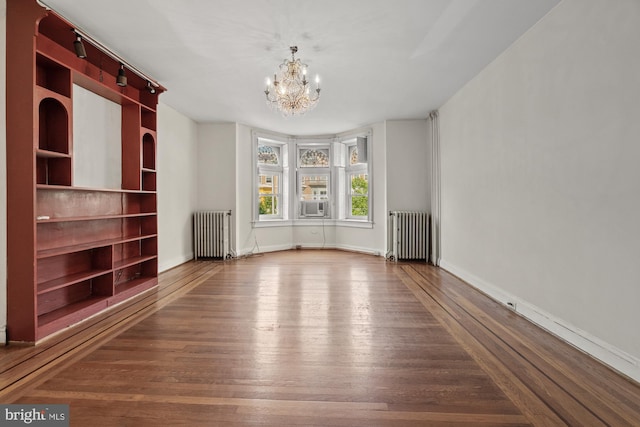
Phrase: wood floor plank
[528,402]
[317,338]
[609,397]
[35,363]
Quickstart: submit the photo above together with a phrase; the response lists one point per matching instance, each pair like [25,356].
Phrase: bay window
[330,180]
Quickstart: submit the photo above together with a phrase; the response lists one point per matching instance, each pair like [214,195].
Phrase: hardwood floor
[316,338]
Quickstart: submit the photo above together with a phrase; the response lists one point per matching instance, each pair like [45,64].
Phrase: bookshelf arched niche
[148,162]
[53,126]
[53,159]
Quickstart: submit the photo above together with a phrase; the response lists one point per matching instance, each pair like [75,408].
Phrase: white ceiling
[377,59]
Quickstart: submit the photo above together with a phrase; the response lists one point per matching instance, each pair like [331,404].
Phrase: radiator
[212,234]
[408,236]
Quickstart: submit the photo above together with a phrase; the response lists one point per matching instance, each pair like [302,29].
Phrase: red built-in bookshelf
[72,252]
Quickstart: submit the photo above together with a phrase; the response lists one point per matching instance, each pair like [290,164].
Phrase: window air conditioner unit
[314,208]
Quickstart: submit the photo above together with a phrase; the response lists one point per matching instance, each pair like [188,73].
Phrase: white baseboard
[608,354]
[262,249]
[174,262]
[276,248]
[3,334]
[315,246]
[360,249]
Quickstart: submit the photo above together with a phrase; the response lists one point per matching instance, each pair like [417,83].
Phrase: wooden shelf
[103,190]
[46,253]
[147,119]
[132,261]
[93,218]
[149,180]
[44,92]
[62,282]
[71,311]
[133,284]
[134,238]
[52,155]
[52,78]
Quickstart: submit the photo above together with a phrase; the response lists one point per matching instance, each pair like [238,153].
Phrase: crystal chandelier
[290,92]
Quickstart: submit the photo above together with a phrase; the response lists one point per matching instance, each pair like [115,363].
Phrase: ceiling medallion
[290,92]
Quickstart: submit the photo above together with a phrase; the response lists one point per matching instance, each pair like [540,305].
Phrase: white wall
[408,165]
[216,166]
[3,174]
[540,178]
[177,189]
[97,140]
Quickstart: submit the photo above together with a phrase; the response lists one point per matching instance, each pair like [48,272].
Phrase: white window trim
[281,170]
[310,144]
[349,195]
[348,141]
[277,172]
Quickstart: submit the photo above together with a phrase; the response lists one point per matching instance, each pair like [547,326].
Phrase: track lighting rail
[84,36]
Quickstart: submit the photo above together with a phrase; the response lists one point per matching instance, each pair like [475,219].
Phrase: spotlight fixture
[290,91]
[79,47]
[81,38]
[121,80]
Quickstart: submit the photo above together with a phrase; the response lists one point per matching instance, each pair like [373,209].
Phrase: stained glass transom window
[314,158]
[353,155]
[268,155]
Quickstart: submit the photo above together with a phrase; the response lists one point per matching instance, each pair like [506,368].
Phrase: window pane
[268,184]
[359,195]
[268,155]
[268,205]
[269,192]
[314,158]
[315,187]
[359,205]
[360,184]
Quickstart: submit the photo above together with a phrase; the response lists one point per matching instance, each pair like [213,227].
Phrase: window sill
[310,222]
[272,223]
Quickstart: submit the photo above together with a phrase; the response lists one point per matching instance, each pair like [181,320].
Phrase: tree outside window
[359,195]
